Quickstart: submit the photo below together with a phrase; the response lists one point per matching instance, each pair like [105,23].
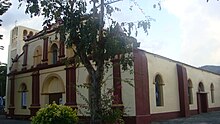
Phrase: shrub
[55,114]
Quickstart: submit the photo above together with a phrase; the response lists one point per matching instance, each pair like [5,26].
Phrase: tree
[93,44]
[3,75]
[4,6]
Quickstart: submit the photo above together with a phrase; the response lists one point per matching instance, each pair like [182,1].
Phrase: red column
[141,82]
[35,106]
[117,84]
[12,91]
[45,51]
[183,90]
[71,87]
[25,48]
[61,50]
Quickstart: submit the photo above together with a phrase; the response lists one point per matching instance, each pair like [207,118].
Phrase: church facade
[162,88]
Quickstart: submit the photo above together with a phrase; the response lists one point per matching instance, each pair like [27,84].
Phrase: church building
[162,88]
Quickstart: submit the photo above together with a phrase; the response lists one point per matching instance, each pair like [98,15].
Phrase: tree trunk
[95,101]
[97,77]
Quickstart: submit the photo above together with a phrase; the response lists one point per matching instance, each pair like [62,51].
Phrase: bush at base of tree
[55,114]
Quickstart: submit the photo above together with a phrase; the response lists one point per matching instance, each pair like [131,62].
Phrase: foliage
[55,114]
[113,116]
[108,114]
[4,6]
[3,75]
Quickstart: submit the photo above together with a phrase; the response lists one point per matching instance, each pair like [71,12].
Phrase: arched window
[23,90]
[30,34]
[54,50]
[190,94]
[212,93]
[159,90]
[201,87]
[24,33]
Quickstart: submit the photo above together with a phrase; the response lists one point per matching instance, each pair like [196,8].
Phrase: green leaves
[4,6]
[55,114]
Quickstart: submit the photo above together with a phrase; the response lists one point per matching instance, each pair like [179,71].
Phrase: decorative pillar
[141,82]
[11,107]
[183,90]
[25,48]
[117,84]
[45,51]
[61,50]
[71,87]
[35,106]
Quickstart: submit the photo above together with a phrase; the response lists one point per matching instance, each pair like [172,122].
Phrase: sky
[183,30]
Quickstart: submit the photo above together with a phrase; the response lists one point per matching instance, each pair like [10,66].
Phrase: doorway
[55,97]
[202,99]
[53,88]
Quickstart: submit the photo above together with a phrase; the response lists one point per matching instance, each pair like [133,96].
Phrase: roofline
[178,62]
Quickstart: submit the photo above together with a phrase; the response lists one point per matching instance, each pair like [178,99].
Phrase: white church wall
[167,70]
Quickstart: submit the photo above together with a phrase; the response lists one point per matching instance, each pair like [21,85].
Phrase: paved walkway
[204,118]
[3,120]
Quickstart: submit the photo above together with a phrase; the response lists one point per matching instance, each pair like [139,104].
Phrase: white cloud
[200,24]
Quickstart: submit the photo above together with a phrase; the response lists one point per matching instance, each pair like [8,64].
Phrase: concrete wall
[168,72]
[58,72]
[128,92]
[206,78]
[27,80]
[167,69]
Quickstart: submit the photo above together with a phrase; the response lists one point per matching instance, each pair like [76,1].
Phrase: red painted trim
[45,50]
[71,86]
[25,55]
[165,116]
[129,119]
[11,107]
[214,109]
[39,67]
[41,33]
[35,106]
[141,81]
[117,82]
[35,89]
[61,50]
[12,91]
[193,112]
[183,90]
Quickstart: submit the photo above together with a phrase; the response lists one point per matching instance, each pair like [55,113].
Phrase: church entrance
[53,89]
[202,102]
[202,99]
[55,97]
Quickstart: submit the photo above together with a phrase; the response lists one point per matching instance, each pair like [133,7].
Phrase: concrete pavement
[3,120]
[204,118]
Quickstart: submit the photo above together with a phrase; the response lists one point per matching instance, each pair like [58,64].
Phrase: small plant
[55,114]
[112,116]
